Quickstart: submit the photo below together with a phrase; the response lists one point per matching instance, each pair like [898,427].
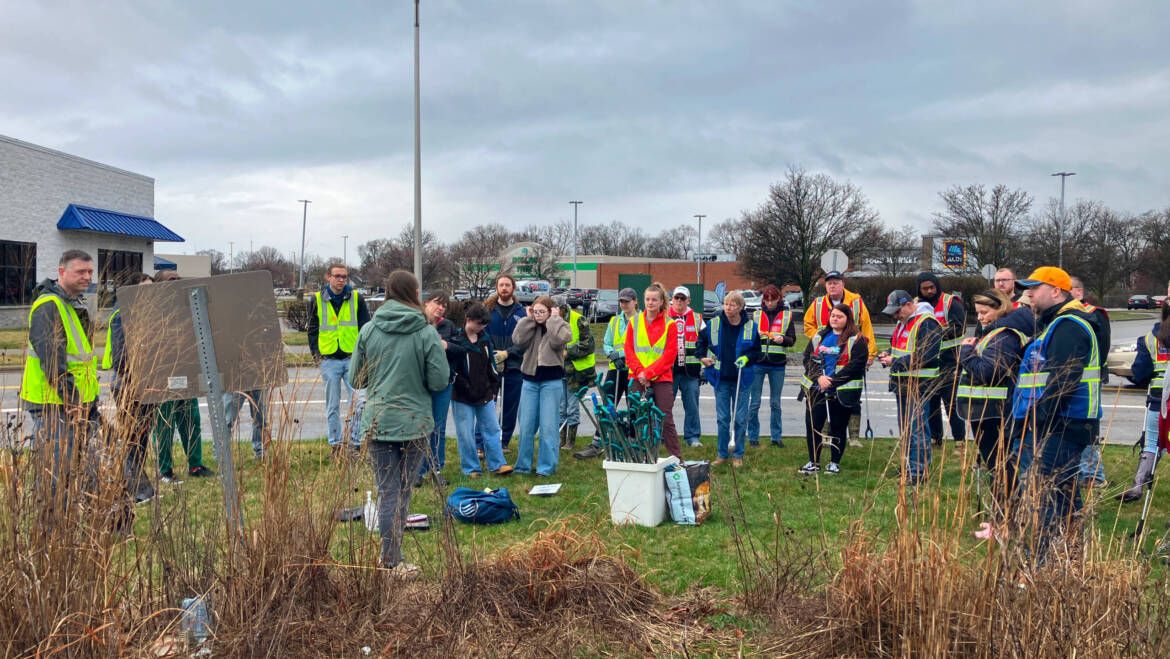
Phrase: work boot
[1145,473]
[564,428]
[570,441]
[591,451]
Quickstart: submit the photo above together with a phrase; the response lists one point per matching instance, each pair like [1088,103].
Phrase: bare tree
[476,255]
[1040,245]
[219,264]
[804,216]
[553,241]
[1111,248]
[1154,258]
[991,224]
[382,256]
[283,271]
[676,243]
[726,237]
[897,252]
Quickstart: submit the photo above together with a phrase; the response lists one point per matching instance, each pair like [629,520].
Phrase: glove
[500,356]
[742,361]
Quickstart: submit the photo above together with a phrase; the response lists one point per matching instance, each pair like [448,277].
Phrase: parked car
[794,299]
[712,305]
[529,289]
[1138,302]
[1157,301]
[605,306]
[575,296]
[1120,360]
[752,299]
[461,294]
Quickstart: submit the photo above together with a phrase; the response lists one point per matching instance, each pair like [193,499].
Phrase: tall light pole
[575,205]
[418,273]
[344,249]
[699,248]
[1060,254]
[304,223]
[231,256]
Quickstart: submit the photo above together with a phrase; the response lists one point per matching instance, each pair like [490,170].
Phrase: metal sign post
[212,382]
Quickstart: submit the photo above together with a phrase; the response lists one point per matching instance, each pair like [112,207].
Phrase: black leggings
[994,442]
[814,419]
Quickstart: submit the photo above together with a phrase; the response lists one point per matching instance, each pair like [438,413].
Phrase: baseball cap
[627,294]
[1047,275]
[681,290]
[833,274]
[895,300]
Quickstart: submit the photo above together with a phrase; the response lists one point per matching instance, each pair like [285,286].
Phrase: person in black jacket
[777,333]
[435,306]
[473,394]
[834,371]
[506,311]
[988,364]
[952,315]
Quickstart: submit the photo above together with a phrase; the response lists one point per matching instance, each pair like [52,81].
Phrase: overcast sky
[649,112]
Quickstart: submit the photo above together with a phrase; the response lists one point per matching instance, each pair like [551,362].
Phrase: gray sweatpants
[395,465]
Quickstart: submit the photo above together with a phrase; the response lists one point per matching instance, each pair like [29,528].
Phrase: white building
[51,202]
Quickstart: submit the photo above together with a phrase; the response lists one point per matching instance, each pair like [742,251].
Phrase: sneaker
[200,472]
[474,474]
[833,469]
[405,570]
[755,444]
[695,444]
[809,468]
[503,471]
[718,461]
[169,477]
[737,463]
[591,451]
[778,443]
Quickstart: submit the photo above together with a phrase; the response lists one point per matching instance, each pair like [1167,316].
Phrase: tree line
[803,215]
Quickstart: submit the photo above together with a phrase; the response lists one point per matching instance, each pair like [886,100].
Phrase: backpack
[482,507]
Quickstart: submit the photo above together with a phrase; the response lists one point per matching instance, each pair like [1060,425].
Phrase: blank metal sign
[160,338]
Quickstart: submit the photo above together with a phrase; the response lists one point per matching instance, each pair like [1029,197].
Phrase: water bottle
[370,513]
[196,622]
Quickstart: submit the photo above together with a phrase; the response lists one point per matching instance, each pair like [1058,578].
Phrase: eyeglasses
[539,312]
[680,297]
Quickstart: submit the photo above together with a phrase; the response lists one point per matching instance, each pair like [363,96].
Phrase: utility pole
[304,223]
[575,205]
[231,256]
[418,273]
[1060,254]
[344,250]
[699,248]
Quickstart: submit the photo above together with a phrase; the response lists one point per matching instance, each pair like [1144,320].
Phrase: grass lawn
[812,512]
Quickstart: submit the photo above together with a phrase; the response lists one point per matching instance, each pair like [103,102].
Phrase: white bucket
[637,492]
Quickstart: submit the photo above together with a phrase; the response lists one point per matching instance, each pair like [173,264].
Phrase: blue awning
[86,218]
[164,264]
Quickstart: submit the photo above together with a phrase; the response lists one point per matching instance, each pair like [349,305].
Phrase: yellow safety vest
[34,387]
[108,353]
[618,332]
[646,352]
[588,361]
[336,331]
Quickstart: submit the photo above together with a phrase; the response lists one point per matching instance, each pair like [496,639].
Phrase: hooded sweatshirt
[399,360]
[956,318]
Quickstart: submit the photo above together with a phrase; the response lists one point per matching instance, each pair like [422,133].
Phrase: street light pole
[231,257]
[344,249]
[699,248]
[575,205]
[1060,254]
[304,223]
[418,273]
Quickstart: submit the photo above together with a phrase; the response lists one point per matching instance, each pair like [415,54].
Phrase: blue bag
[480,507]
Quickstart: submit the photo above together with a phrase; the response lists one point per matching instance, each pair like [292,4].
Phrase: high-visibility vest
[941,309]
[848,393]
[1160,356]
[79,357]
[903,343]
[646,352]
[108,353]
[1084,401]
[774,331]
[823,305]
[336,330]
[984,401]
[746,336]
[686,327]
[588,361]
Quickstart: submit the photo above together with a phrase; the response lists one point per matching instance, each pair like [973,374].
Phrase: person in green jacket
[400,361]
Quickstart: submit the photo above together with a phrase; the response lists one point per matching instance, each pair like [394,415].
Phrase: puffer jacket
[399,360]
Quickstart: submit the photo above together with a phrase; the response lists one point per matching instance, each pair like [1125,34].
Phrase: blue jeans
[233,404]
[1151,443]
[689,386]
[540,403]
[570,408]
[915,436]
[471,420]
[775,376]
[1091,467]
[333,371]
[436,454]
[1056,462]
[509,403]
[724,393]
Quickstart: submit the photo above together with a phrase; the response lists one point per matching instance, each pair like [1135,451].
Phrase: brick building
[674,273]
[51,202]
